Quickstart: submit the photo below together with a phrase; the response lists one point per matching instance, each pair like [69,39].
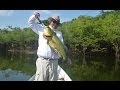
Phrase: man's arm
[67,51]
[34,25]
[61,38]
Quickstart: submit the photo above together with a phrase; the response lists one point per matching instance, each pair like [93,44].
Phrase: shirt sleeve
[61,37]
[33,24]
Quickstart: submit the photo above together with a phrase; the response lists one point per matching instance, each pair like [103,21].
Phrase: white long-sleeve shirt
[44,50]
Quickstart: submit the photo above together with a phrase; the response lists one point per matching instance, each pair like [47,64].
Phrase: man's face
[54,24]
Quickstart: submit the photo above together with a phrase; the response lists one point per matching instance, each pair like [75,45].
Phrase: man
[47,62]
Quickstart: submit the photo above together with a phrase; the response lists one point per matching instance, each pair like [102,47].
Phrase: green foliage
[79,33]
[17,38]
[45,22]
[86,31]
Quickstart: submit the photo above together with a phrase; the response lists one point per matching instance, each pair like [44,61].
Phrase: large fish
[55,42]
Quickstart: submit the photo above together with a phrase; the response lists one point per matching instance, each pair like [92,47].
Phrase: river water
[21,66]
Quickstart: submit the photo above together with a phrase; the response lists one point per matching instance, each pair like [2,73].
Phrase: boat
[62,75]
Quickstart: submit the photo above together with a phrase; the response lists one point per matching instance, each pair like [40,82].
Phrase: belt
[46,58]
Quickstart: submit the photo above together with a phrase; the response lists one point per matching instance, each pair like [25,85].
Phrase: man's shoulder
[58,31]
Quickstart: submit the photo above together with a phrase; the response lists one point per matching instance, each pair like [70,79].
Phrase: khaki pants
[46,70]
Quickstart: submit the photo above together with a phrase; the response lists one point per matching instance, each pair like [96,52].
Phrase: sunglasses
[54,21]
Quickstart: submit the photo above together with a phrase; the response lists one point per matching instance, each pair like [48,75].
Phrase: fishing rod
[40,22]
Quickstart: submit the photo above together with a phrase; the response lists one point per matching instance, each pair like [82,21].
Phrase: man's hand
[69,61]
[37,15]
[66,62]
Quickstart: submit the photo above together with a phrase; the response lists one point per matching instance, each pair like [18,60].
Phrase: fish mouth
[48,36]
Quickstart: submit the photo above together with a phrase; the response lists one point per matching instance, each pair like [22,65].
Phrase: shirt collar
[53,29]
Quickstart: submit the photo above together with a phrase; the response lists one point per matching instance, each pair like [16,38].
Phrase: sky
[19,18]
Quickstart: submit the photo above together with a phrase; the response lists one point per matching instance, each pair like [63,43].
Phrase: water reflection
[17,66]
[21,66]
[12,75]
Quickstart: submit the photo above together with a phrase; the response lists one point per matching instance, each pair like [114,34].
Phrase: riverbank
[24,51]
